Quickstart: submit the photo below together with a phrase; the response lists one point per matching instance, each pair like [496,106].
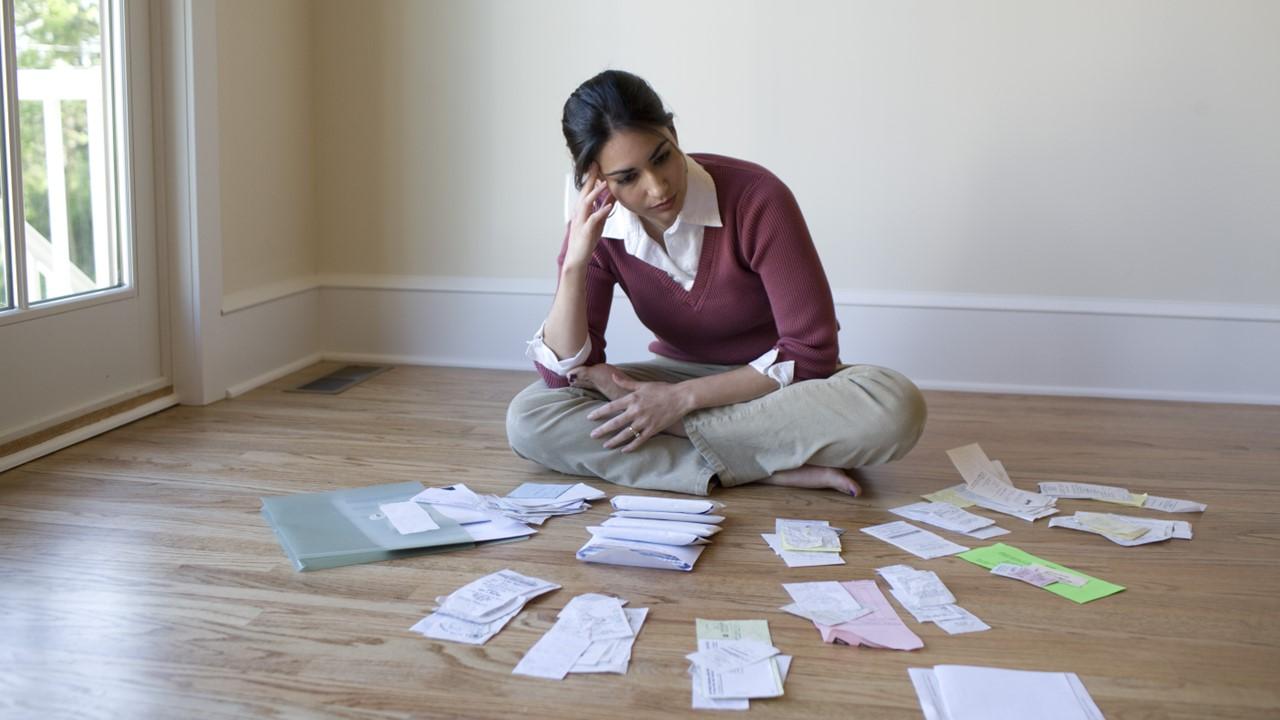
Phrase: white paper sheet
[943,515]
[493,595]
[918,542]
[1173,505]
[980,693]
[1086,491]
[554,655]
[408,517]
[612,656]
[966,623]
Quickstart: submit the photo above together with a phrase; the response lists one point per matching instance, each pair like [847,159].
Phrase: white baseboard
[1001,344]
[66,440]
[269,339]
[81,410]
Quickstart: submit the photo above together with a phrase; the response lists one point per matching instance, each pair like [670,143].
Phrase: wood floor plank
[138,579]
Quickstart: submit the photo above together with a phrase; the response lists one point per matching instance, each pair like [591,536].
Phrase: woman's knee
[522,418]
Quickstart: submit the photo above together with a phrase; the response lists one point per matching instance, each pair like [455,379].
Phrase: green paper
[993,555]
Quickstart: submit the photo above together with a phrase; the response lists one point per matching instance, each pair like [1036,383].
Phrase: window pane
[65,149]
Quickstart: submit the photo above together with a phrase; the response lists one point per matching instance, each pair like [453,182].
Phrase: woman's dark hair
[611,101]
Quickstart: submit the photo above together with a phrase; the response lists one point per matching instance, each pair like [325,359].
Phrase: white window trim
[121,218]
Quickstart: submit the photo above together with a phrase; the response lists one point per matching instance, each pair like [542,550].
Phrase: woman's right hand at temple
[593,207]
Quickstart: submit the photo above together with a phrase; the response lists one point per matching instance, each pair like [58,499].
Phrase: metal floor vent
[341,379]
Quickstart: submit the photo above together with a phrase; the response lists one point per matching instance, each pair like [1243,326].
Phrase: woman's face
[646,172]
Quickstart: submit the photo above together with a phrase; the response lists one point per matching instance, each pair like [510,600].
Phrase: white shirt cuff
[537,351]
[782,373]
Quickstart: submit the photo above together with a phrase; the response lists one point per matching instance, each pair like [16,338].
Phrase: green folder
[993,555]
[344,527]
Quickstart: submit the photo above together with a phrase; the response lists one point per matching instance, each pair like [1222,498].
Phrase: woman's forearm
[740,385]
[565,331]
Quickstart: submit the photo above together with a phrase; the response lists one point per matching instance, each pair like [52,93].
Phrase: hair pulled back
[611,101]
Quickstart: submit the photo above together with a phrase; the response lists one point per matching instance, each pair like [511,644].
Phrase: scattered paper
[1088,491]
[950,496]
[921,543]
[538,490]
[992,555]
[1112,525]
[801,559]
[967,495]
[975,466]
[408,517]
[960,692]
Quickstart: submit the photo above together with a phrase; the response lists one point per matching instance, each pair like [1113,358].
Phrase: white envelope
[660,515]
[640,502]
[610,551]
[699,529]
[657,537]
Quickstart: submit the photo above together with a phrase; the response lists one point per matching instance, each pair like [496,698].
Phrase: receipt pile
[653,532]
[805,543]
[735,663]
[1125,529]
[593,634]
[1120,496]
[987,485]
[478,610]
[922,593]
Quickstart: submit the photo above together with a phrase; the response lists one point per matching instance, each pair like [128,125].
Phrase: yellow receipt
[950,496]
[1110,525]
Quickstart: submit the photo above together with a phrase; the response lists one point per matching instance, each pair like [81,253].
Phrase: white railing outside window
[50,270]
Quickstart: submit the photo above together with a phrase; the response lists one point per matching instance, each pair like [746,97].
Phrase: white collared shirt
[679,260]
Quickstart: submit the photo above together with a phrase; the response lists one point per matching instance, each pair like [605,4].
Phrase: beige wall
[1104,148]
[266,143]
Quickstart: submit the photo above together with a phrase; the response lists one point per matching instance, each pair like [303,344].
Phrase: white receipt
[943,515]
[493,595]
[967,622]
[921,543]
[825,603]
[612,656]
[993,489]
[1087,491]
[408,517]
[554,655]
[1173,505]
[729,655]
[759,680]
[801,559]
[807,535]
[598,617]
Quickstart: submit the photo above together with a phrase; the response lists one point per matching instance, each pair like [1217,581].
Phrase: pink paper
[882,628]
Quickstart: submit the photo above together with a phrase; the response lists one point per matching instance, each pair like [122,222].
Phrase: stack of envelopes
[652,532]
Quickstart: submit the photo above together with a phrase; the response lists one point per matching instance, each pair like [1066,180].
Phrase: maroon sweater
[759,285]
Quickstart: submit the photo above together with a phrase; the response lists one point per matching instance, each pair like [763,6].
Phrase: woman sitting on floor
[746,384]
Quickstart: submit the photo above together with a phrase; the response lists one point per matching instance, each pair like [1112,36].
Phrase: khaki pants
[861,415]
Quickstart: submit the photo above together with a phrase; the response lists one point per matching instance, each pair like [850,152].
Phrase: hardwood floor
[138,580]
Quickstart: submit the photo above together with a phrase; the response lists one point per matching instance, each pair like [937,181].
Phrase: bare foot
[812,476]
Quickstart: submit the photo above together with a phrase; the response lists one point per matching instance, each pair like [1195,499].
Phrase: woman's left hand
[647,410]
